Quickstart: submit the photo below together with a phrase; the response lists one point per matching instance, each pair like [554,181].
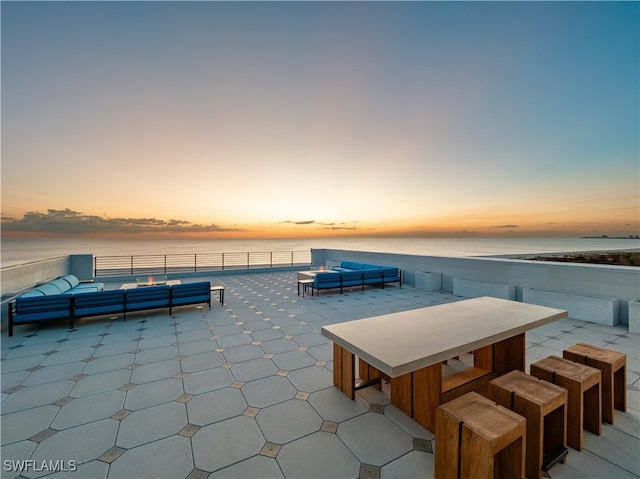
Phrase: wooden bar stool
[477,438]
[613,366]
[544,405]
[583,388]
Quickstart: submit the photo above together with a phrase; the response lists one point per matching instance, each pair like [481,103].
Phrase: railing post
[223,261]
[165,264]
[271,259]
[248,254]
[131,272]
[291,258]
[195,262]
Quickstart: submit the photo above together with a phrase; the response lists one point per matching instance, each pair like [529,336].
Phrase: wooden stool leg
[620,389]
[607,391]
[592,411]
[477,462]
[555,426]
[575,413]
[447,446]
[535,433]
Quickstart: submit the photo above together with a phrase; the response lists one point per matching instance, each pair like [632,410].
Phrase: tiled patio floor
[245,390]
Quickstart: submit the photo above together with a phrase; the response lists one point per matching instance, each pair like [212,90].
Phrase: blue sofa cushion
[191,293]
[39,308]
[72,280]
[352,278]
[61,284]
[372,276]
[326,280]
[148,297]
[87,288]
[97,303]
[48,289]
[75,286]
[33,293]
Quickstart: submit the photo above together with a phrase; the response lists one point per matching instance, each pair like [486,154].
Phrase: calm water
[26,250]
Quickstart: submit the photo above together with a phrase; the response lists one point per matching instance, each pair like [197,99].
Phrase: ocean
[19,251]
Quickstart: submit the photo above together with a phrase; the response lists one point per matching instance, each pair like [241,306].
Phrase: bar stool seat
[583,395]
[544,405]
[477,438]
[612,365]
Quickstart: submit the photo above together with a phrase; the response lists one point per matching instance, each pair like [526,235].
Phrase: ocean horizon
[19,251]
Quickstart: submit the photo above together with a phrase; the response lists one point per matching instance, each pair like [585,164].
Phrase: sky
[309,119]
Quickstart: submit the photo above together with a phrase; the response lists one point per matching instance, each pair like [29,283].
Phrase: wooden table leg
[402,393]
[344,370]
[509,354]
[427,395]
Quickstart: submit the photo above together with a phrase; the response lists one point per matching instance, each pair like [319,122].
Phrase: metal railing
[185,263]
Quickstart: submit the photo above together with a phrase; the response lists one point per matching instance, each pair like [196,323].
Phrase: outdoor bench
[351,274]
[27,309]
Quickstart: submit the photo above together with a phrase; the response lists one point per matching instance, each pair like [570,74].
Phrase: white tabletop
[400,343]
[169,282]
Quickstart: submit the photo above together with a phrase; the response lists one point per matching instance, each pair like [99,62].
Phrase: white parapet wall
[473,289]
[586,308]
[582,280]
[428,281]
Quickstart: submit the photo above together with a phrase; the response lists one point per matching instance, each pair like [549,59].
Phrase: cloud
[326,226]
[70,222]
[506,226]
[329,227]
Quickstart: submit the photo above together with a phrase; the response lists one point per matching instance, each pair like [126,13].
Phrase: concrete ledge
[634,316]
[468,288]
[427,281]
[586,308]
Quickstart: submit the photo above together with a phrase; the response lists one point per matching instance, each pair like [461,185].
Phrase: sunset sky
[294,119]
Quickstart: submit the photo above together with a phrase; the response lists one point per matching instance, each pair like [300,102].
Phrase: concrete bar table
[408,348]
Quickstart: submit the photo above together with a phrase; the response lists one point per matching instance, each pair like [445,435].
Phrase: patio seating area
[245,390]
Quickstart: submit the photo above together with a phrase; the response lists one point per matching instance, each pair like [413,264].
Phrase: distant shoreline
[614,258]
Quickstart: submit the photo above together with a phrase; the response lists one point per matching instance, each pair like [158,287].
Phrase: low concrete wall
[428,281]
[473,289]
[585,308]
[619,282]
[18,278]
[634,315]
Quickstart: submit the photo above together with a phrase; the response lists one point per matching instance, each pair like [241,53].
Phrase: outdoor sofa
[71,305]
[352,274]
